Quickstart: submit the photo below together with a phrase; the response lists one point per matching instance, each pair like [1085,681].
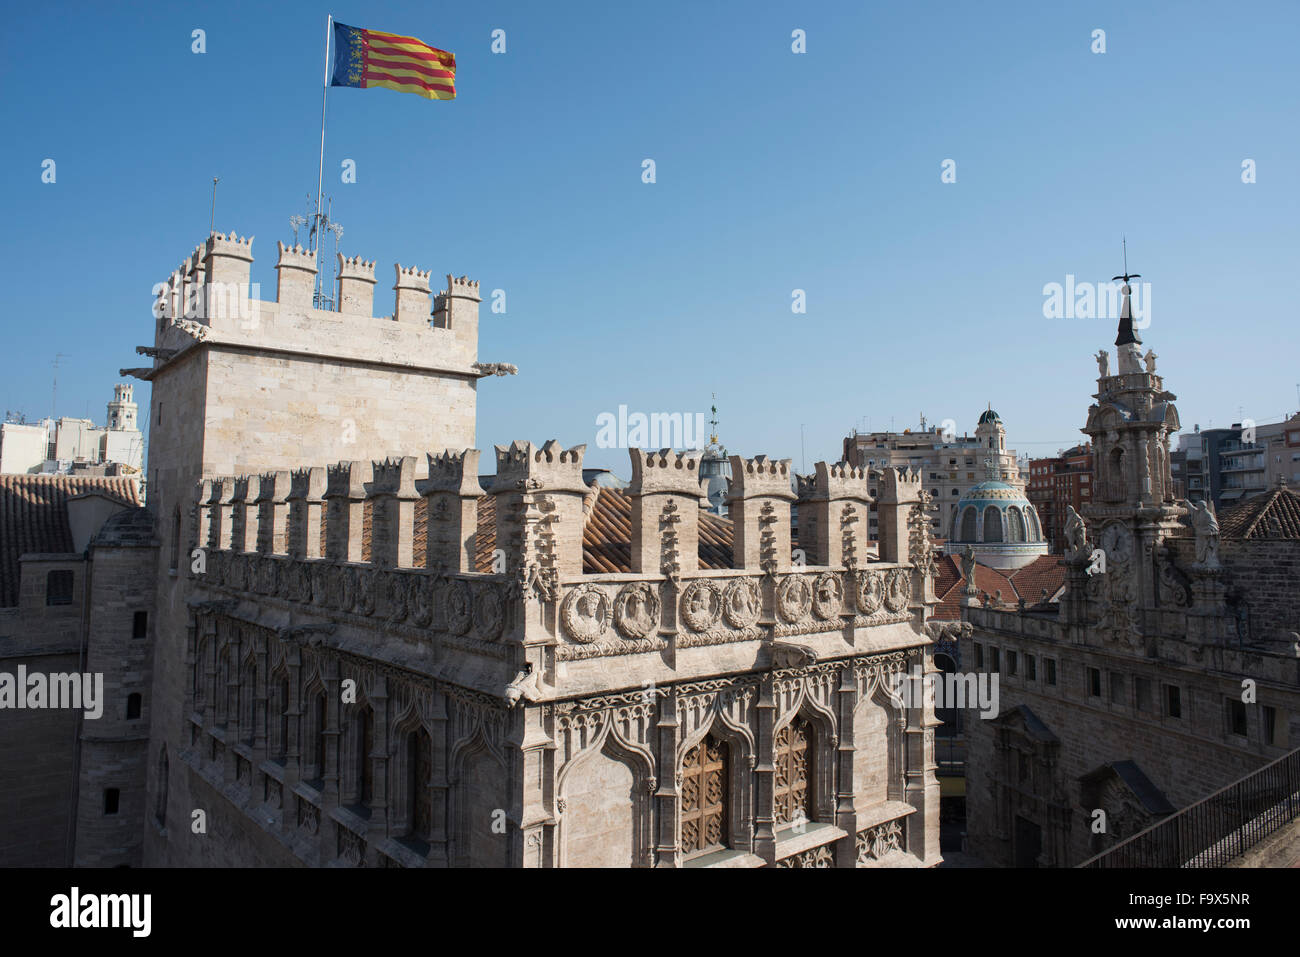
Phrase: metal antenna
[54,389]
[212,218]
[1126,277]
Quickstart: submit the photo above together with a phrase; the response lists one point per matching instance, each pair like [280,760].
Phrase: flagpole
[320,175]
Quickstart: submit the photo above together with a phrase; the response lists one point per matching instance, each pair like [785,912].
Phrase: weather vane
[1127,276]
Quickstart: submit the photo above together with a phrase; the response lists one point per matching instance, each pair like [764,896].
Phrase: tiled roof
[1273,514]
[1028,583]
[606,534]
[34,517]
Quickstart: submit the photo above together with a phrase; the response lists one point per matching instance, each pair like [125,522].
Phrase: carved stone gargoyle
[524,686]
[304,634]
[787,654]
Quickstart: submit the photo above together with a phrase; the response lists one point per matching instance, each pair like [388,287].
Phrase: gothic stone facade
[330,689]
[353,702]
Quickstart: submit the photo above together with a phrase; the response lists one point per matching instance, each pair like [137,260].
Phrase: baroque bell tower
[1133,509]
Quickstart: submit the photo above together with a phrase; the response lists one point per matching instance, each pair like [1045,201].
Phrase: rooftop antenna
[296,222]
[54,389]
[322,300]
[212,218]
[713,422]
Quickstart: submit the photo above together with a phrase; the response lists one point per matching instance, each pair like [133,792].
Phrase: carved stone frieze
[875,843]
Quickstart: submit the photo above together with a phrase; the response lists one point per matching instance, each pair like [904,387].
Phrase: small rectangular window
[1270,725]
[979,656]
[1094,682]
[1143,687]
[996,657]
[1116,688]
[110,800]
[1031,667]
[1173,701]
[1012,662]
[58,587]
[1051,671]
[1237,716]
[140,624]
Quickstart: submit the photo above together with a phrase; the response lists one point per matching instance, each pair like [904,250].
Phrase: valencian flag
[367,58]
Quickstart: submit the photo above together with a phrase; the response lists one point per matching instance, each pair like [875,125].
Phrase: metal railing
[1217,828]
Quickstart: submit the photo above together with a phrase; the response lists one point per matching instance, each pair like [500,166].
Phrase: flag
[369,58]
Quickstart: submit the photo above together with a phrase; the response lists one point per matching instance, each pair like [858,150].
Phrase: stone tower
[246,386]
[1133,508]
[122,410]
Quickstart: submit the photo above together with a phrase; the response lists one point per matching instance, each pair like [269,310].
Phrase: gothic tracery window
[704,797]
[365,743]
[793,760]
[419,770]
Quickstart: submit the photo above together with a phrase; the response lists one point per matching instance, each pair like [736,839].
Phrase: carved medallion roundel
[828,595]
[586,613]
[794,598]
[460,607]
[898,589]
[701,604]
[871,592]
[742,603]
[636,610]
[489,614]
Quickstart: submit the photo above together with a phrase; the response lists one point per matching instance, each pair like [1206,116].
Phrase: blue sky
[775,172]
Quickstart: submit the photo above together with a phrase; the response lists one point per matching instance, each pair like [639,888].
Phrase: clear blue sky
[775,171]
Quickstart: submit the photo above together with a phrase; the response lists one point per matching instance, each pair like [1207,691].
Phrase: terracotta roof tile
[1027,582]
[1274,514]
[34,517]
[1045,571]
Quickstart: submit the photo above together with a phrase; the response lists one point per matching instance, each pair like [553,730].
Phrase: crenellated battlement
[212,288]
[347,537]
[900,485]
[454,470]
[394,477]
[464,288]
[551,467]
[760,475]
[665,471]
[347,479]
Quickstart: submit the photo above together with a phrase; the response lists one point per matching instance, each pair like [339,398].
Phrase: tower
[1133,509]
[122,410]
[242,385]
[991,433]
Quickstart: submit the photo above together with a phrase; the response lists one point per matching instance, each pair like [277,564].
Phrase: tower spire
[1127,334]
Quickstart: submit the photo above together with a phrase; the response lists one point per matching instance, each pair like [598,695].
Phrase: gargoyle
[524,686]
[786,654]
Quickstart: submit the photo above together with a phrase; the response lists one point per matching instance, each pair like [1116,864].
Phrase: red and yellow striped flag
[367,58]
